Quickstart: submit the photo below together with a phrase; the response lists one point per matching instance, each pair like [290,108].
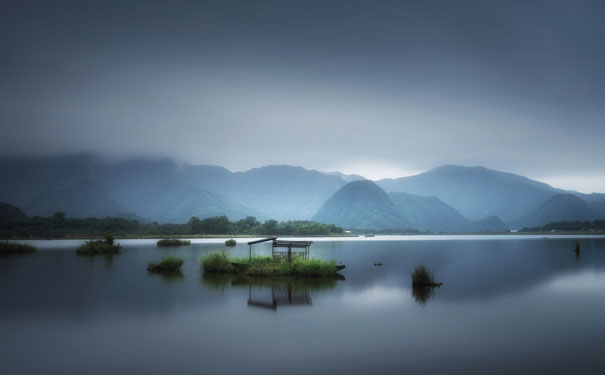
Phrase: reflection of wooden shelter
[288,245]
[281,296]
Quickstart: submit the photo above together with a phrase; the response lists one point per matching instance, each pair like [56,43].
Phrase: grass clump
[105,246]
[230,242]
[219,262]
[173,242]
[168,264]
[422,276]
[10,248]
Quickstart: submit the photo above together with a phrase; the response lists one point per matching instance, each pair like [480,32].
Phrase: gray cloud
[384,88]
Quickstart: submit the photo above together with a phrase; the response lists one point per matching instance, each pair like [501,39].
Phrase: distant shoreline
[224,236]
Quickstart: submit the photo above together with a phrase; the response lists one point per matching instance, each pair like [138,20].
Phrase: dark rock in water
[378,264]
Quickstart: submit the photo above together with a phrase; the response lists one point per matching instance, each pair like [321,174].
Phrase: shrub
[230,242]
[106,246]
[422,276]
[173,242]
[168,264]
[217,261]
[9,248]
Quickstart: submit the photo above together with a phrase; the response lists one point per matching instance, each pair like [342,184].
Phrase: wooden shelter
[284,249]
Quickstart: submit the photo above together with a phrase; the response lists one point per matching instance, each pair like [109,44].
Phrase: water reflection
[270,293]
[281,295]
[423,294]
[168,277]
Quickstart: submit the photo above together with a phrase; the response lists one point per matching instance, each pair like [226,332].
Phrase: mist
[381,90]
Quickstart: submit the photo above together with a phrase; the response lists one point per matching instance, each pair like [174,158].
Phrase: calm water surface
[508,304]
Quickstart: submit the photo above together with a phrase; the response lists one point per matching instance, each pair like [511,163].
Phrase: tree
[195,224]
[269,227]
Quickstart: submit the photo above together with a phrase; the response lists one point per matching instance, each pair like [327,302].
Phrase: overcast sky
[378,88]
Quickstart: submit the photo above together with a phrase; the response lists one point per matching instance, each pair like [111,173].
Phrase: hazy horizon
[373,175]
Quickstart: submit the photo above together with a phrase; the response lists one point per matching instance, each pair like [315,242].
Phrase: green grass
[422,276]
[173,242]
[106,246]
[10,248]
[219,262]
[168,264]
[230,242]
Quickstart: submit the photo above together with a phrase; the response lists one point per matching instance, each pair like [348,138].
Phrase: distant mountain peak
[345,177]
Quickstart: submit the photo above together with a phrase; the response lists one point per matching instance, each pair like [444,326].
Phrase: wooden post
[290,253]
[250,254]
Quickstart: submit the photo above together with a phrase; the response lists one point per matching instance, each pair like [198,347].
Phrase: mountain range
[445,199]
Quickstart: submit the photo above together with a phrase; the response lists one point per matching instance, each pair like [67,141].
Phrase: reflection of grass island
[168,265]
[423,277]
[10,248]
[173,242]
[220,281]
[106,246]
[230,242]
[423,294]
[219,262]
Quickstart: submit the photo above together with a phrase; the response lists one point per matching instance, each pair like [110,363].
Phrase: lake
[508,304]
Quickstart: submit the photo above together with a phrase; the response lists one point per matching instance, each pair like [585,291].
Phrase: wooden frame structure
[280,244]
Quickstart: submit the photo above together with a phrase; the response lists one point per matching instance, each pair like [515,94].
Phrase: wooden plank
[262,240]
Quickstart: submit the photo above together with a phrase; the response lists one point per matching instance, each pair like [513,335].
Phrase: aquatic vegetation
[230,242]
[169,264]
[10,248]
[173,242]
[105,246]
[422,276]
[220,262]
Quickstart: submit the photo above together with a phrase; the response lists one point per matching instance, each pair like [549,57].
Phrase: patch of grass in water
[106,246]
[169,264]
[173,242]
[11,248]
[230,242]
[219,262]
[422,276]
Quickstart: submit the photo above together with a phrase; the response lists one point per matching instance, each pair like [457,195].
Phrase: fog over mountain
[379,89]
[445,199]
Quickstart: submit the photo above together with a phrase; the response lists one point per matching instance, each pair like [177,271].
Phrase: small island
[423,277]
[12,248]
[230,242]
[268,266]
[106,246]
[173,242]
[168,265]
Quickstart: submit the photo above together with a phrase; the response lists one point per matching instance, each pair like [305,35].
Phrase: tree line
[570,226]
[60,226]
